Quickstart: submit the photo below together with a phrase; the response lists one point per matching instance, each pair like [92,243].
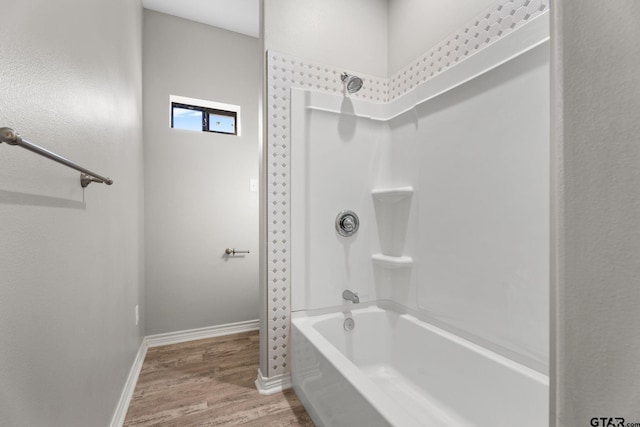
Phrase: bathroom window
[204,116]
[221,121]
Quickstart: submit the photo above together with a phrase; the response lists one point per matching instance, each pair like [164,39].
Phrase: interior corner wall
[197,182]
[415,26]
[262,173]
[597,157]
[71,260]
[351,34]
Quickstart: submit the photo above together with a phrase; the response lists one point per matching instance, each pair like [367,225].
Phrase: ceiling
[241,16]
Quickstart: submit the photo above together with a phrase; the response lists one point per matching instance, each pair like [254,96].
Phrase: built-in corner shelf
[392,195]
[392,262]
[392,207]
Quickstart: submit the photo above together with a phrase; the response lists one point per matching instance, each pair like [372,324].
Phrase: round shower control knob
[347,223]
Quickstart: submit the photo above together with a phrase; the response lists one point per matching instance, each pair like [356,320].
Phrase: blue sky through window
[184,118]
[220,123]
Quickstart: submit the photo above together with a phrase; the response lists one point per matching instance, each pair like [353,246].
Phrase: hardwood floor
[209,382]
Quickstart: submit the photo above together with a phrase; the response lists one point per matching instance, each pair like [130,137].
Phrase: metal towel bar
[12,137]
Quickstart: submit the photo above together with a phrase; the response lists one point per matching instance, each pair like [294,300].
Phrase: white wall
[597,172]
[415,26]
[351,34]
[71,260]
[197,196]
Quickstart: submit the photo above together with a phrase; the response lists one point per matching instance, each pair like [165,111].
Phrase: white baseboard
[201,333]
[165,339]
[272,385]
[127,392]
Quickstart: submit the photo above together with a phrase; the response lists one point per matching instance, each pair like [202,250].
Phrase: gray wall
[71,268]
[376,37]
[597,177]
[415,26]
[197,199]
[351,34]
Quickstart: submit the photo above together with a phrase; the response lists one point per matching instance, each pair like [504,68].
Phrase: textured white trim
[274,384]
[129,386]
[201,333]
[500,19]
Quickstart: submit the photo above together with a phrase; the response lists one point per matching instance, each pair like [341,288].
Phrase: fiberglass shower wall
[478,159]
[453,200]
[336,156]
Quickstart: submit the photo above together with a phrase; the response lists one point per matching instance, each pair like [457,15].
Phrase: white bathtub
[394,369]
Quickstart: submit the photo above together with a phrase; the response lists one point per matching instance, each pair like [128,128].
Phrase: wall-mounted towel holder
[12,137]
[232,251]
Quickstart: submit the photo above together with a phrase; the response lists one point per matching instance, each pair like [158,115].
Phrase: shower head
[351,82]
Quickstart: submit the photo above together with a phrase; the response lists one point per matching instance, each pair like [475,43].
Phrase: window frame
[206,108]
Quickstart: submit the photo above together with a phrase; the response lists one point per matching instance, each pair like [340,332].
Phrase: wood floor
[209,382]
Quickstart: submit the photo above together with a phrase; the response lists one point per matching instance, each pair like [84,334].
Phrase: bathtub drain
[349,324]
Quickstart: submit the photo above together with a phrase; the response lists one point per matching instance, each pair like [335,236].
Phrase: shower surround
[285,72]
[451,184]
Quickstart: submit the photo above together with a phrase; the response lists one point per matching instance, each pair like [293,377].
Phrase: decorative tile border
[283,73]
[497,21]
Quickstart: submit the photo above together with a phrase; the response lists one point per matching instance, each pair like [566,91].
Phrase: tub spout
[351,296]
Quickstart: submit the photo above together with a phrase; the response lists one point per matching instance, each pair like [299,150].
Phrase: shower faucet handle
[347,223]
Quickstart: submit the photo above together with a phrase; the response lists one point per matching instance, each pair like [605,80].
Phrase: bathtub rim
[311,317]
[504,352]
[305,320]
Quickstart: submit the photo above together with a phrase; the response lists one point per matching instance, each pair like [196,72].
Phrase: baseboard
[201,333]
[165,339]
[272,385]
[127,392]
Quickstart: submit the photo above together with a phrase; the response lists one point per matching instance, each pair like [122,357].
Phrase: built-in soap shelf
[392,214]
[392,195]
[392,262]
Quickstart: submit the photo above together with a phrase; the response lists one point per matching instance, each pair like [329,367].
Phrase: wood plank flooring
[209,382]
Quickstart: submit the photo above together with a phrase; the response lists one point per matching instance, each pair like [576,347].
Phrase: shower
[351,82]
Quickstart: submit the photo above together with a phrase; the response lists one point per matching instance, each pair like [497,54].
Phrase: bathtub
[395,370]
